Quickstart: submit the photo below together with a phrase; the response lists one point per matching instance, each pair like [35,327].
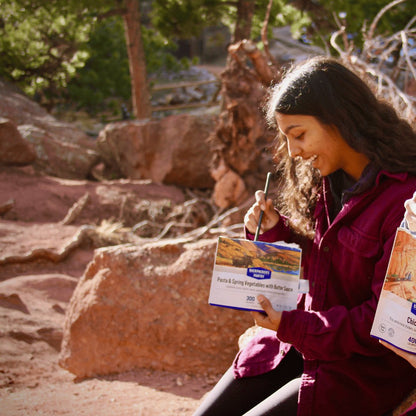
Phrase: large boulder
[173,150]
[58,157]
[61,149]
[13,149]
[147,307]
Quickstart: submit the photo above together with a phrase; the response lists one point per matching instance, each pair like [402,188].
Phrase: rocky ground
[34,292]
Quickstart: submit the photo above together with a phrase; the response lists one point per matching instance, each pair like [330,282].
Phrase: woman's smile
[314,161]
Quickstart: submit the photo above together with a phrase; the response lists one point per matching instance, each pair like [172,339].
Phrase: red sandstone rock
[147,307]
[27,197]
[33,241]
[174,150]
[61,149]
[229,190]
[13,149]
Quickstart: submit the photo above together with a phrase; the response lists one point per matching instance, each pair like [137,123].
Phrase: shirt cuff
[292,328]
[280,232]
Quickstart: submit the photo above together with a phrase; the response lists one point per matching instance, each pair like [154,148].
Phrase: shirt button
[326,249]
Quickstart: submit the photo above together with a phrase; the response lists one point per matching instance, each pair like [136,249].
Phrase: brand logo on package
[413,310]
[259,273]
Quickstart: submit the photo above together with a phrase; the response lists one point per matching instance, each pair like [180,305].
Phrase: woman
[347,163]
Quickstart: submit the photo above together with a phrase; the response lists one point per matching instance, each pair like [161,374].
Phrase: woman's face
[322,144]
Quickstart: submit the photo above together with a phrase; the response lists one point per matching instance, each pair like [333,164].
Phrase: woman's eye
[300,136]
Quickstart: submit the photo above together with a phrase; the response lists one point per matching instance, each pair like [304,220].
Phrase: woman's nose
[293,148]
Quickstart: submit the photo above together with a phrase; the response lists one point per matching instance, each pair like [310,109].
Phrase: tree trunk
[245,12]
[137,64]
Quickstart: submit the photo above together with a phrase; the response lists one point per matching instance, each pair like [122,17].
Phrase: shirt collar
[343,187]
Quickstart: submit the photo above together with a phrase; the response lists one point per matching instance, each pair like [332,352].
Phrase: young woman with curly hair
[347,164]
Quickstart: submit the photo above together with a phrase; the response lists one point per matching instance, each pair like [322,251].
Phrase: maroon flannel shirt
[346,371]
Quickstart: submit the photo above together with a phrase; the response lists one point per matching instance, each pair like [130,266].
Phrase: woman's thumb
[264,303]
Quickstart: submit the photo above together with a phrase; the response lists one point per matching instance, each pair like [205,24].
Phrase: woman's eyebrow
[292,126]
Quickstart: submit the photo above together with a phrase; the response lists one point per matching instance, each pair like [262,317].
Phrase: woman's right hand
[270,216]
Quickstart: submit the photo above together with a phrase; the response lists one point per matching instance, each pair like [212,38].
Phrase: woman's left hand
[272,318]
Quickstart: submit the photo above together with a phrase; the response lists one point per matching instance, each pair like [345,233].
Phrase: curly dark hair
[335,95]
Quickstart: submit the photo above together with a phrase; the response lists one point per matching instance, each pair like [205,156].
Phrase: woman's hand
[270,216]
[272,318]
[410,215]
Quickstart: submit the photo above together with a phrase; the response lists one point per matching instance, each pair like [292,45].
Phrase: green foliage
[49,45]
[59,49]
[282,14]
[187,18]
[358,15]
[105,75]
[159,52]
[106,72]
[41,47]
[360,12]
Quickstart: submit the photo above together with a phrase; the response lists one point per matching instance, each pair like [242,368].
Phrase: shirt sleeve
[338,332]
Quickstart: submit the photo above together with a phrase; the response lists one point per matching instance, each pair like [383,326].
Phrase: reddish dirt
[33,384]
[33,299]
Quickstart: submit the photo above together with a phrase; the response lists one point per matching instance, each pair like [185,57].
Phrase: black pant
[273,393]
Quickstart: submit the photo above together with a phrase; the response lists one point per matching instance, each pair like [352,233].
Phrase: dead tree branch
[379,15]
[386,60]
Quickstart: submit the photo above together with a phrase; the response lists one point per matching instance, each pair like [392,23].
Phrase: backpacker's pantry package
[244,269]
[395,319]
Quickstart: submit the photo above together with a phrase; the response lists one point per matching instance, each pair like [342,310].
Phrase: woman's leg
[234,397]
[282,402]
